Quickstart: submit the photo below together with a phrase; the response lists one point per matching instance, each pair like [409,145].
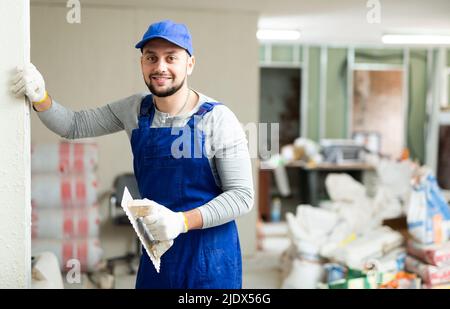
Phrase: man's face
[165,67]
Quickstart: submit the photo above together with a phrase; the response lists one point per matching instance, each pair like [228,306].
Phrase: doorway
[280,93]
[280,101]
[378,109]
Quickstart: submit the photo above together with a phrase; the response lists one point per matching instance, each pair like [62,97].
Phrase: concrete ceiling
[320,21]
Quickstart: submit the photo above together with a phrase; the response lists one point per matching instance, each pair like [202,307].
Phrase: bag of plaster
[428,214]
[430,274]
[344,188]
[438,255]
[304,274]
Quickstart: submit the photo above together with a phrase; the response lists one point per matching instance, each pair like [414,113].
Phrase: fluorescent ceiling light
[416,39]
[277,35]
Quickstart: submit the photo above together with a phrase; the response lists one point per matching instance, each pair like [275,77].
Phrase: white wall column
[15,205]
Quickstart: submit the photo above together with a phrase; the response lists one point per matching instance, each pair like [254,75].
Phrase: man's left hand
[165,224]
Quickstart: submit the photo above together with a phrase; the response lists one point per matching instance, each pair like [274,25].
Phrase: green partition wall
[336,99]
[448,58]
[313,99]
[417,94]
[379,56]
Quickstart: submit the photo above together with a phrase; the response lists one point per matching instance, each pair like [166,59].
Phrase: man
[199,196]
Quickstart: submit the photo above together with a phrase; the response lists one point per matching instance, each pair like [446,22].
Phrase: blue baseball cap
[177,34]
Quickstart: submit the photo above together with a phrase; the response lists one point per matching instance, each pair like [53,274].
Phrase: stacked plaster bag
[429,225]
[431,262]
[308,230]
[65,213]
[428,215]
[394,187]
[355,212]
[358,236]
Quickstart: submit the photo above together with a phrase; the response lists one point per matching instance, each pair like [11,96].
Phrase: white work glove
[139,208]
[164,224]
[28,81]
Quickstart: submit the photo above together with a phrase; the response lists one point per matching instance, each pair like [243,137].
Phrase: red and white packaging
[438,255]
[85,252]
[63,190]
[65,223]
[430,274]
[64,157]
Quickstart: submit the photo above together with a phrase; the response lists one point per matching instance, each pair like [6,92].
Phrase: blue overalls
[206,258]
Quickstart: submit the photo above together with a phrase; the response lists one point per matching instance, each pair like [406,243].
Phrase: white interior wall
[93,63]
[15,205]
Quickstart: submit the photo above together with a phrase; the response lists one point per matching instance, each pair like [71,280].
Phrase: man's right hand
[28,81]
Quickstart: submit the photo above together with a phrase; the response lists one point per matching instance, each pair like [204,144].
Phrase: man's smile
[160,80]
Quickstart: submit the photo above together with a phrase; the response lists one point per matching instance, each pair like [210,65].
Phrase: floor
[262,271]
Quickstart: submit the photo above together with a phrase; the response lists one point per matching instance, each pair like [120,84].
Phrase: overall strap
[206,108]
[147,109]
[203,110]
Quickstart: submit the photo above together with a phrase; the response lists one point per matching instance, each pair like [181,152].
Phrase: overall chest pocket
[165,175]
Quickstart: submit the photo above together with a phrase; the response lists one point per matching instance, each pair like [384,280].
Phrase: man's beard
[165,93]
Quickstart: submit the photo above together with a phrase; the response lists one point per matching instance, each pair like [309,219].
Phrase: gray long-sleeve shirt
[226,145]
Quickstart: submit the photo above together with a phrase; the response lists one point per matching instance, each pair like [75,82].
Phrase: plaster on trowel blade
[141,230]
